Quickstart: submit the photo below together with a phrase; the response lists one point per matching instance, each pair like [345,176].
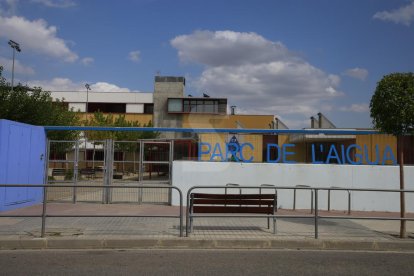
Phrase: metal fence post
[187,212]
[141,170]
[316,214]
[181,211]
[76,170]
[329,199]
[109,160]
[170,167]
[44,211]
[294,199]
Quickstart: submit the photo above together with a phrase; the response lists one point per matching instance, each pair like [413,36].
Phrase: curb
[178,243]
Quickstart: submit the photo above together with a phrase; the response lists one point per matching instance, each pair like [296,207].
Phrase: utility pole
[16,47]
[88,87]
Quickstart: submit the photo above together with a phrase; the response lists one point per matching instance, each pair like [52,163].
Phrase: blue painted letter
[286,153]
[388,155]
[200,149]
[241,152]
[269,147]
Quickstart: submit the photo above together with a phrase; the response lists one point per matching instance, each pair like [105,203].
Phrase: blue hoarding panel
[22,157]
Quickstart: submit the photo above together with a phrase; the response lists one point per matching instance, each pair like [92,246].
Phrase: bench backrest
[58,172]
[233,203]
[87,171]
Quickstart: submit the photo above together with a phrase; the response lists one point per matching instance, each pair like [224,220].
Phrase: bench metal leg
[268,223]
[274,226]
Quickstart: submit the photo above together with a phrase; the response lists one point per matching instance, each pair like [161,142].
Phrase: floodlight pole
[88,87]
[15,46]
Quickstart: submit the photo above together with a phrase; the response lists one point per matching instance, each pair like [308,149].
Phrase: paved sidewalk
[157,232]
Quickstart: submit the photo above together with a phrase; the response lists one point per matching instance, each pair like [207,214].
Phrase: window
[107,107]
[175,105]
[148,108]
[197,105]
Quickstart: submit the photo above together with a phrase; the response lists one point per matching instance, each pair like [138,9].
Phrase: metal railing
[316,216]
[294,196]
[44,214]
[349,199]
[315,201]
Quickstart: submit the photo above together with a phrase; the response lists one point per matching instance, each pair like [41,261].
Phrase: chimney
[233,110]
[313,122]
[320,119]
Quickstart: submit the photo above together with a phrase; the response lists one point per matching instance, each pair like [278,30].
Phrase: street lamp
[88,87]
[16,47]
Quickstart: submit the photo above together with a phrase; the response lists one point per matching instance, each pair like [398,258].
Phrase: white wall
[187,174]
[134,108]
[104,97]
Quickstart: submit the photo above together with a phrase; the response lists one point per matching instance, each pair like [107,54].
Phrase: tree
[99,119]
[109,120]
[392,111]
[36,107]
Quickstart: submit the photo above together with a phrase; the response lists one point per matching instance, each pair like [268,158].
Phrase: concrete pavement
[158,232]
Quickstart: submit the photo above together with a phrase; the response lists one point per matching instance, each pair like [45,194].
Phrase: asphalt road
[204,262]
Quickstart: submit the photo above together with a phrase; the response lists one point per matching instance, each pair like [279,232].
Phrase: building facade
[169,106]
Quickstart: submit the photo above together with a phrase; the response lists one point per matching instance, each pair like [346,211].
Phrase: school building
[169,106]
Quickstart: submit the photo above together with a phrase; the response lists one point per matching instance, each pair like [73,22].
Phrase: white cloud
[56,3]
[257,75]
[134,56]
[403,15]
[358,73]
[65,84]
[58,84]
[87,61]
[36,36]
[358,108]
[228,48]
[18,67]
[108,87]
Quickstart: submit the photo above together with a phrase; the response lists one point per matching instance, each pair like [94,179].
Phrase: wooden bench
[205,203]
[88,172]
[58,172]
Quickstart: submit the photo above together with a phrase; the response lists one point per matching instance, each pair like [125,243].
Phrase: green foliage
[69,174]
[392,105]
[109,120]
[36,107]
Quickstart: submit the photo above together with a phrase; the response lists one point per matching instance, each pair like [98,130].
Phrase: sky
[291,59]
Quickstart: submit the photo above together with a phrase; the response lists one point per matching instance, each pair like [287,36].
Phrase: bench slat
[231,209]
[200,201]
[58,172]
[233,196]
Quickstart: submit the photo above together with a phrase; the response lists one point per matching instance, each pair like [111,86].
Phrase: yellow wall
[381,140]
[226,121]
[141,118]
[258,122]
[230,121]
[300,153]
